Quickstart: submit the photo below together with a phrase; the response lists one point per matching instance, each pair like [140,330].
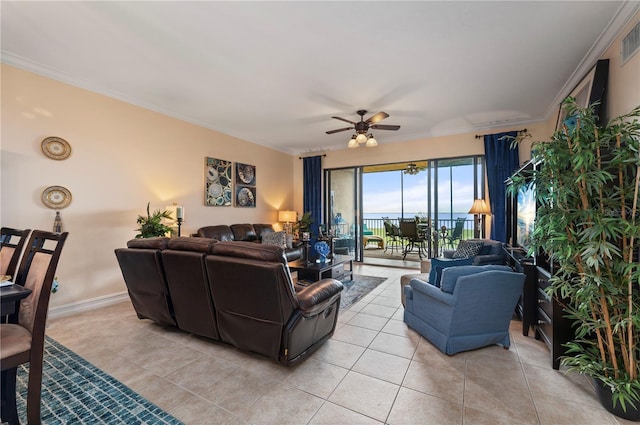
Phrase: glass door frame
[357,219]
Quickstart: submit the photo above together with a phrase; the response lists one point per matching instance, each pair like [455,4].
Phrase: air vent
[631,43]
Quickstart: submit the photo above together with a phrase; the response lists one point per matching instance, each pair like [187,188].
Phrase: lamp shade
[480,206]
[371,142]
[287,216]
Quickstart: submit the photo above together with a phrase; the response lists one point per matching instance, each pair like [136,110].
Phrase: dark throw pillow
[468,249]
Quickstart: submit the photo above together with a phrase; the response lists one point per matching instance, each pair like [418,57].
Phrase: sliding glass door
[342,213]
[438,193]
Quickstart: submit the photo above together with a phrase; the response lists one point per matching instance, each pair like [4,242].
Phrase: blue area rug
[357,288]
[76,392]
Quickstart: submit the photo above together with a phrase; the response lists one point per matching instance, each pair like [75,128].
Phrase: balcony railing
[436,242]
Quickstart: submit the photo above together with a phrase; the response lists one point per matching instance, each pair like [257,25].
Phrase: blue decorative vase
[323,250]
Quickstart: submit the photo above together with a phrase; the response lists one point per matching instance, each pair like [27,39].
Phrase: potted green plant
[587,183]
[304,224]
[152,225]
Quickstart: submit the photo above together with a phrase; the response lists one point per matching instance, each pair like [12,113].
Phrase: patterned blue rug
[76,392]
[357,288]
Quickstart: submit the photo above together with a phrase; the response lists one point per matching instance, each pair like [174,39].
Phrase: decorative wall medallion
[56,148]
[245,174]
[218,182]
[56,197]
[245,196]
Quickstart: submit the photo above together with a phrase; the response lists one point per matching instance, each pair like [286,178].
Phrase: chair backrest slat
[10,251]
[36,272]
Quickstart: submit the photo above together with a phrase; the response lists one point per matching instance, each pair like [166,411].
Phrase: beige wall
[624,80]
[123,156]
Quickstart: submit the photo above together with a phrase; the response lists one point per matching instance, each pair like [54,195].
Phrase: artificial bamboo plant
[587,183]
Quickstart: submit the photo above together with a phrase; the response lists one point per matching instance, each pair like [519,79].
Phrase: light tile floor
[374,370]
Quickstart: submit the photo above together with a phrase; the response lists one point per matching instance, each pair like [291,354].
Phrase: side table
[425,269]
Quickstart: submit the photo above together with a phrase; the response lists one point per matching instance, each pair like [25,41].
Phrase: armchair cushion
[450,275]
[439,264]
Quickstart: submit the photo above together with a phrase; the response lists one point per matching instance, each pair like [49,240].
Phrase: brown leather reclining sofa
[245,232]
[237,292]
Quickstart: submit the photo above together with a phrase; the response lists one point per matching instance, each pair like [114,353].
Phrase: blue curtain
[502,161]
[312,196]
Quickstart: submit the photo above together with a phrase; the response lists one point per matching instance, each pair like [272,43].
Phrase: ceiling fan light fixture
[362,135]
[412,169]
[371,142]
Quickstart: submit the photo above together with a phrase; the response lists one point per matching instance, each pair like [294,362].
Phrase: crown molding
[624,15]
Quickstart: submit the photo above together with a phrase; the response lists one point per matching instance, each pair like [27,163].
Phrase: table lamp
[479,209]
[287,217]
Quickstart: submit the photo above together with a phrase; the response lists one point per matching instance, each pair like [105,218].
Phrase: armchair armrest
[431,291]
[316,297]
[481,260]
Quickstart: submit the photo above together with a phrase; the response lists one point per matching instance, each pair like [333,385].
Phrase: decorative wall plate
[246,174]
[245,197]
[56,148]
[56,197]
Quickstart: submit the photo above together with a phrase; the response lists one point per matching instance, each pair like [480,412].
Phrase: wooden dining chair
[23,341]
[10,249]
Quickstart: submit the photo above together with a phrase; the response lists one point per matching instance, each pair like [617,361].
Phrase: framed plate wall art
[56,148]
[56,197]
[245,185]
[218,185]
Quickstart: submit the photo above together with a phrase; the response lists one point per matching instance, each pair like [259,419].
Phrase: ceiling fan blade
[339,130]
[377,117]
[345,120]
[385,127]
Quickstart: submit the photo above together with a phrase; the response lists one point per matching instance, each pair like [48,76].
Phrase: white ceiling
[274,73]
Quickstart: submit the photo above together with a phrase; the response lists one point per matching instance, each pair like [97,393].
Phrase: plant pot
[606,399]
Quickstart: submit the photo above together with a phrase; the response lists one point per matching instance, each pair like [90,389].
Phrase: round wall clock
[56,197]
[56,148]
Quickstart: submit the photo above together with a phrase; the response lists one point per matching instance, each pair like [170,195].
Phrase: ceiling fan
[363,126]
[413,168]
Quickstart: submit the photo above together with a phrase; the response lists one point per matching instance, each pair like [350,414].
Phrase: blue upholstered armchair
[492,252]
[471,309]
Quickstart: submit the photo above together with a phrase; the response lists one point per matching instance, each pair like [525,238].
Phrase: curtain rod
[478,136]
[303,157]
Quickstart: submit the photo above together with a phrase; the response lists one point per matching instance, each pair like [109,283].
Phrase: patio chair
[393,237]
[415,239]
[456,234]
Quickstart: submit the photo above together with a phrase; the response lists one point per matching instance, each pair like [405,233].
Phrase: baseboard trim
[92,304]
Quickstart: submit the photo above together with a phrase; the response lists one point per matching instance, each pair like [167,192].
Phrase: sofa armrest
[317,296]
[431,291]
